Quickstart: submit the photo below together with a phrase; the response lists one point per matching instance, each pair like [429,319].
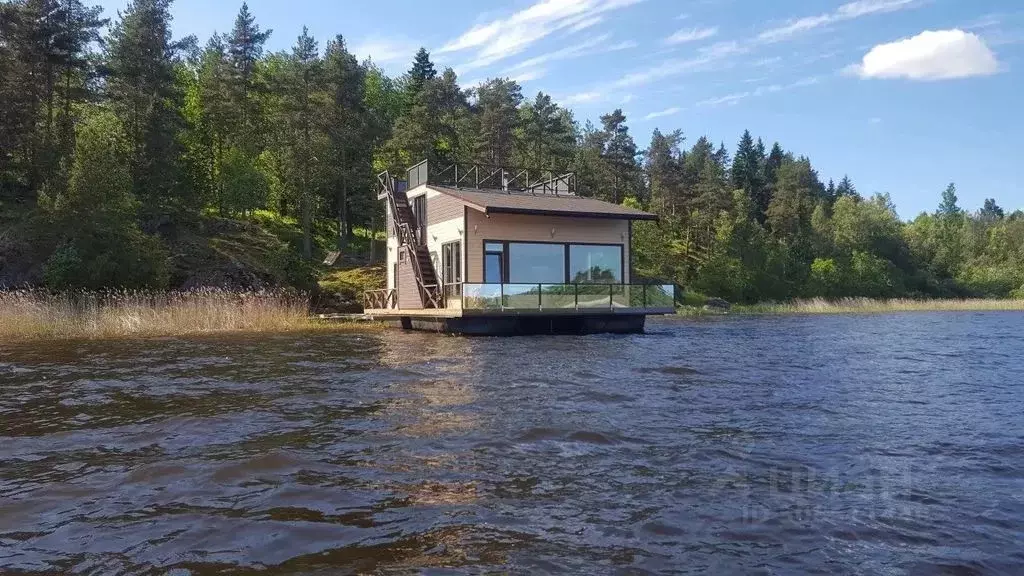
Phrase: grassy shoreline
[865,306]
[31,315]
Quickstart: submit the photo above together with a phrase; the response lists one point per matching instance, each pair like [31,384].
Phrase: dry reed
[869,305]
[27,314]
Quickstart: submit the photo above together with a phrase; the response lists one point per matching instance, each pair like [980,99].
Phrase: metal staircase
[405,225]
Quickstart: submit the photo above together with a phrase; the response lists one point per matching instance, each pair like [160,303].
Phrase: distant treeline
[110,143]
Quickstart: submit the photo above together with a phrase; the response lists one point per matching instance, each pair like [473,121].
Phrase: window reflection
[536,263]
[595,264]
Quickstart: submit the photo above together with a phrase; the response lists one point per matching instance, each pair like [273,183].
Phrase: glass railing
[514,297]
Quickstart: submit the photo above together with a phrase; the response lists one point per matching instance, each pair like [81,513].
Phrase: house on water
[481,250]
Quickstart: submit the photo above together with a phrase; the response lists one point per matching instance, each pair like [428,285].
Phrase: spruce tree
[245,48]
[141,87]
[422,72]
[303,116]
[846,188]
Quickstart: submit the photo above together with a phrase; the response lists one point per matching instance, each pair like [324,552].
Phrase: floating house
[473,249]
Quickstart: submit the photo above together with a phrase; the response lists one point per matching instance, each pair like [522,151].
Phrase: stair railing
[431,295]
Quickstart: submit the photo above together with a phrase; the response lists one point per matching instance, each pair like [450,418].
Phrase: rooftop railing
[490,177]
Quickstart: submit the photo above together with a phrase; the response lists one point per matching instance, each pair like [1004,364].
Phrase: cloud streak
[596,45]
[691,35]
[737,97]
[666,112]
[505,37]
[848,11]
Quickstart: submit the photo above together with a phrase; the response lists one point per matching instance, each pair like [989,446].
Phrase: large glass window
[595,264]
[536,263]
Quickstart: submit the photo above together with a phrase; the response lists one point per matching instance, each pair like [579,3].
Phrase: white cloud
[664,70]
[505,37]
[596,45]
[586,23]
[582,98]
[875,121]
[735,98]
[667,112]
[727,100]
[691,35]
[931,55]
[528,75]
[848,11]
[383,51]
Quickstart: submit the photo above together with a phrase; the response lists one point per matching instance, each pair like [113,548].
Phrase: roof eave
[564,213]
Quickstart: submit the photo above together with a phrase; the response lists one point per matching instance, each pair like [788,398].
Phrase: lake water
[835,445]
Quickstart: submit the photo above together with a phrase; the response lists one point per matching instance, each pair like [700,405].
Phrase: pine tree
[991,211]
[44,70]
[347,127]
[620,158]
[245,48]
[664,171]
[547,137]
[498,103]
[141,86]
[303,103]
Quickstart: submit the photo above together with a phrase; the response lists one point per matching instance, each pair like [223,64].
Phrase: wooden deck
[498,312]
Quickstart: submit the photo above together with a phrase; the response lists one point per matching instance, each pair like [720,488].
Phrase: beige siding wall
[408,294]
[526,228]
[445,223]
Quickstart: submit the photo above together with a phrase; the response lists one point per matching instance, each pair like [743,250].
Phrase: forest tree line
[114,135]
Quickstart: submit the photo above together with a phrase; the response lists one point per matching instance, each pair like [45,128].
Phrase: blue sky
[902,95]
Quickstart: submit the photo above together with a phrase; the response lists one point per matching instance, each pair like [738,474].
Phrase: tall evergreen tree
[245,48]
[846,188]
[620,158]
[347,127]
[949,208]
[664,171]
[44,70]
[141,86]
[422,72]
[498,103]
[304,82]
[747,174]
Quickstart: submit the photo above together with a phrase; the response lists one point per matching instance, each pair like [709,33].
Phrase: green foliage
[290,143]
[245,187]
[101,243]
[825,279]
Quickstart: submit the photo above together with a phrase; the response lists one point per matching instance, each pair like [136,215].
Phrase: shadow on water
[775,445]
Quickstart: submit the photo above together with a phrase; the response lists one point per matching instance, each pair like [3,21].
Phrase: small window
[451,262]
[494,262]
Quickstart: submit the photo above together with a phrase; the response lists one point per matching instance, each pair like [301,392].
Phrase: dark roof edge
[582,214]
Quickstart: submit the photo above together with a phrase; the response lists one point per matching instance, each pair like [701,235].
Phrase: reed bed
[870,305]
[27,314]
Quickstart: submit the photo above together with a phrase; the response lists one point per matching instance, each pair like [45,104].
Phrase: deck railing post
[540,302]
[576,295]
[611,296]
[645,296]
[501,296]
